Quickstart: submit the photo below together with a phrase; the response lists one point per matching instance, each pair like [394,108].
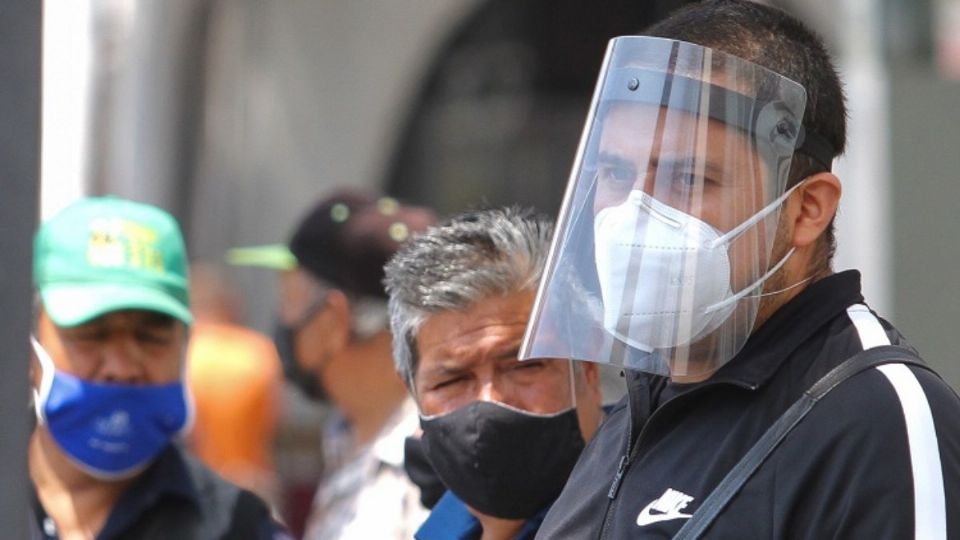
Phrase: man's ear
[813,207]
[338,321]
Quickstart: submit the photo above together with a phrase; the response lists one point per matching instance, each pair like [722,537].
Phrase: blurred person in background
[107,376]
[334,341]
[235,378]
[501,434]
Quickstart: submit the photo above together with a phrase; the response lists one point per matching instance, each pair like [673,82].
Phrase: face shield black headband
[752,115]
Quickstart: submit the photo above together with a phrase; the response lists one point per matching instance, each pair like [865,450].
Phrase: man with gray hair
[502,435]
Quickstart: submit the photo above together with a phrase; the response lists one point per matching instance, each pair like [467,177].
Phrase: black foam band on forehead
[815,146]
[682,93]
[725,105]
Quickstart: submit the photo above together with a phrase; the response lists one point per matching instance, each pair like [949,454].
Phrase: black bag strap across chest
[754,458]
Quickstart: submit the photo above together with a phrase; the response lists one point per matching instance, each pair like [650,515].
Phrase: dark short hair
[772,38]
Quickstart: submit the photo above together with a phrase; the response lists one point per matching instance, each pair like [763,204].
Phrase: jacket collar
[765,351]
[789,327]
[772,343]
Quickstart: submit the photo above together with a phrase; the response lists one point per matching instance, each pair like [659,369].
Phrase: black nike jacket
[877,458]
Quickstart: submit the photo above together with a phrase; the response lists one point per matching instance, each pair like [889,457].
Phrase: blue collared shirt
[450,520]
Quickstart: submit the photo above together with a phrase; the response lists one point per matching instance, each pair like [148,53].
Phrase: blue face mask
[111,431]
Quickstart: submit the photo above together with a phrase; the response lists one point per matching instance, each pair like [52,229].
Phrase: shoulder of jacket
[877,404]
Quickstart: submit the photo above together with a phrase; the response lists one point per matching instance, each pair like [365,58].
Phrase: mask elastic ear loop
[739,229]
[573,385]
[733,233]
[746,291]
[47,371]
[783,290]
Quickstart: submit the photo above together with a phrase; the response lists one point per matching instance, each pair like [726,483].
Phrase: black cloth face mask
[502,461]
[418,468]
[285,338]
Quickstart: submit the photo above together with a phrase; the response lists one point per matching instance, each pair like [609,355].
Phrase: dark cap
[347,238]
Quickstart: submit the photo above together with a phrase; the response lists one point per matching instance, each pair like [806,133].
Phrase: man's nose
[490,391]
[647,181]
[121,363]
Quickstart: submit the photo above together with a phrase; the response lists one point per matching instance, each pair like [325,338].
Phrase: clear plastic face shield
[665,237]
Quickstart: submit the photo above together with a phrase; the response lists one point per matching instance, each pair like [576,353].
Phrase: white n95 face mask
[664,275]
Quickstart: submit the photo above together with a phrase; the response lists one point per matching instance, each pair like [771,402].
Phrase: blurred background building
[236,115]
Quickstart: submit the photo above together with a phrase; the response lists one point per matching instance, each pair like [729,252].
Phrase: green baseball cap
[104,254]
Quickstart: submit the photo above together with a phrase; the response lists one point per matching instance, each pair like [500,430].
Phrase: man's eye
[686,179]
[529,365]
[447,383]
[618,175]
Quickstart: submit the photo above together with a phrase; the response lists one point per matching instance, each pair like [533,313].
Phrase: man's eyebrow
[612,159]
[686,162]
[512,353]
[153,318]
[444,369]
[86,327]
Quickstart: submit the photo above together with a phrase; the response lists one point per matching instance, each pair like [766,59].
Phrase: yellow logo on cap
[115,242]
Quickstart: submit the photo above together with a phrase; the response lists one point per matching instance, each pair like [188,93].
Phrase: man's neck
[780,290]
[78,503]
[375,392]
[495,528]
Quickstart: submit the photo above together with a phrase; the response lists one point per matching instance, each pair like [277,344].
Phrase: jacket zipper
[615,486]
[633,449]
[612,499]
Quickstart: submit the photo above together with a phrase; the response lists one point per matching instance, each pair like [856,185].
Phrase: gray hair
[456,264]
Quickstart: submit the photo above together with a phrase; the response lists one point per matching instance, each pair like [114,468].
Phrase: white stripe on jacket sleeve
[929,501]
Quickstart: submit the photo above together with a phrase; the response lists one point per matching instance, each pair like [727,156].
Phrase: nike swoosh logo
[647,516]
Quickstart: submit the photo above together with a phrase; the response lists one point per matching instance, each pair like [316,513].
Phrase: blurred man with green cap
[107,378]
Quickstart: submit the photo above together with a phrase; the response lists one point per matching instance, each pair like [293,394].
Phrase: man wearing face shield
[107,376]
[694,250]
[334,341]
[501,434]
